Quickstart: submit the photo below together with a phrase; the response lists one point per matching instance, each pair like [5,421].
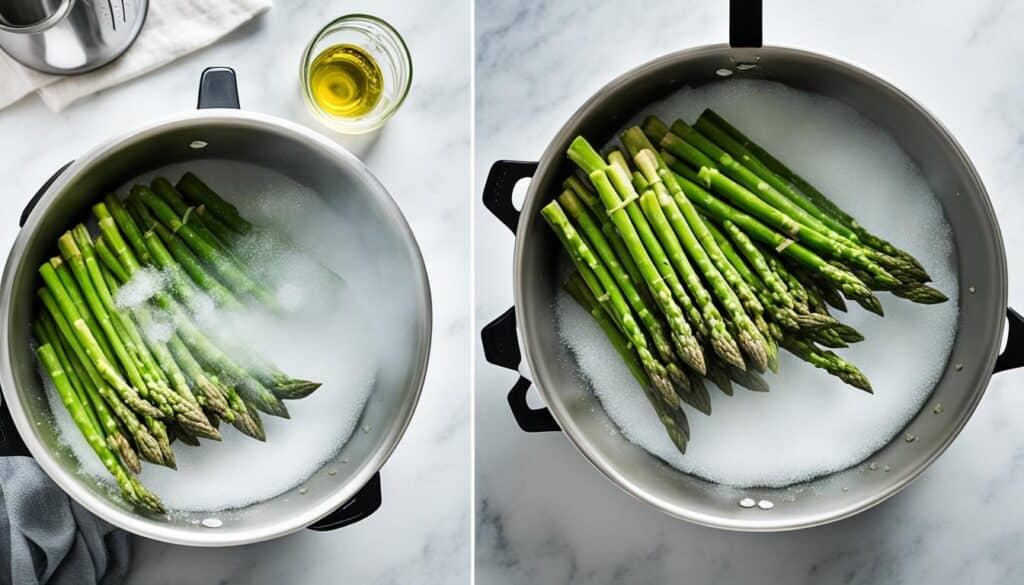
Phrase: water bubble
[303,490]
[747,503]
[887,469]
[958,366]
[971,289]
[332,472]
[938,408]
[765,504]
[845,489]
[909,437]
[212,522]
[873,466]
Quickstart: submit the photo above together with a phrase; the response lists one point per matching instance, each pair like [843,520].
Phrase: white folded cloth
[173,28]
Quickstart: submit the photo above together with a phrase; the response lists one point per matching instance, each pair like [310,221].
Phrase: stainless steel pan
[346,488]
[577,412]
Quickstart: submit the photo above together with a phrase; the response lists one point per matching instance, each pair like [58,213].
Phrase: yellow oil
[345,81]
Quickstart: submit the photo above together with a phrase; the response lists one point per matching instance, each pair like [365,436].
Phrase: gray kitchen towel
[46,539]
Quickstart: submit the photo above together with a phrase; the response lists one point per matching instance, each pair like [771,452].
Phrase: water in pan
[325,337]
[810,423]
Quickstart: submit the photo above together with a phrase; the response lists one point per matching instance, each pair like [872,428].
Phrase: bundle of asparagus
[707,255]
[131,389]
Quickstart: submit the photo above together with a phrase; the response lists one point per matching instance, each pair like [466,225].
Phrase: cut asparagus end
[583,154]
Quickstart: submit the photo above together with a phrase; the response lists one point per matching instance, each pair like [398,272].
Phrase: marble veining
[544,515]
[421,532]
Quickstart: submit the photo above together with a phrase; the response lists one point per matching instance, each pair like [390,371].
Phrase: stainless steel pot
[344,489]
[574,409]
[69,36]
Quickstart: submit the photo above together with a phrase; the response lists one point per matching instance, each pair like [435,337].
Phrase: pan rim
[550,159]
[225,536]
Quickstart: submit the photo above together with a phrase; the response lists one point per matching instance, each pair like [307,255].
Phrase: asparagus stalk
[163,188]
[198,191]
[604,288]
[697,240]
[101,419]
[849,284]
[775,298]
[688,148]
[633,225]
[248,387]
[807,196]
[192,266]
[85,336]
[100,393]
[110,261]
[698,397]
[828,361]
[132,490]
[673,419]
[222,264]
[590,199]
[689,349]
[177,403]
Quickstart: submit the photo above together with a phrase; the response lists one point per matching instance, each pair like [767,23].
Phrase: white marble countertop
[544,514]
[421,532]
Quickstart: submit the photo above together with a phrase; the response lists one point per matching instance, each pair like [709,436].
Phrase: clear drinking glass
[388,49]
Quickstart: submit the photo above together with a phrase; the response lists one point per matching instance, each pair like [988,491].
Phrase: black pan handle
[361,506]
[498,189]
[218,88]
[1013,355]
[745,23]
[10,441]
[39,194]
[501,348]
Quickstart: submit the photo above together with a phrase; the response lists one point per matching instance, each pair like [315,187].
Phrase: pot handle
[1013,355]
[218,88]
[745,23]
[501,348]
[501,180]
[39,194]
[359,507]
[10,441]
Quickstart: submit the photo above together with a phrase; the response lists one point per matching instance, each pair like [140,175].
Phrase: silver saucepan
[347,487]
[576,411]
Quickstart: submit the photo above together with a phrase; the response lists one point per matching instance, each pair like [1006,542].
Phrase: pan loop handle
[745,23]
[501,348]
[218,88]
[501,180]
[1013,355]
[361,506]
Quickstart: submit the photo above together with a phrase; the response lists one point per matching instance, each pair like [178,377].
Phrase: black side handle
[501,348]
[1013,355]
[39,194]
[745,23]
[501,180]
[218,88]
[361,506]
[10,441]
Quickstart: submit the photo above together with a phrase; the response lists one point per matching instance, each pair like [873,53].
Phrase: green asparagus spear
[148,445]
[132,490]
[808,197]
[673,419]
[605,289]
[201,193]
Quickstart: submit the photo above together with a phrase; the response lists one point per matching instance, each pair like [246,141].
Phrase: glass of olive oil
[356,73]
